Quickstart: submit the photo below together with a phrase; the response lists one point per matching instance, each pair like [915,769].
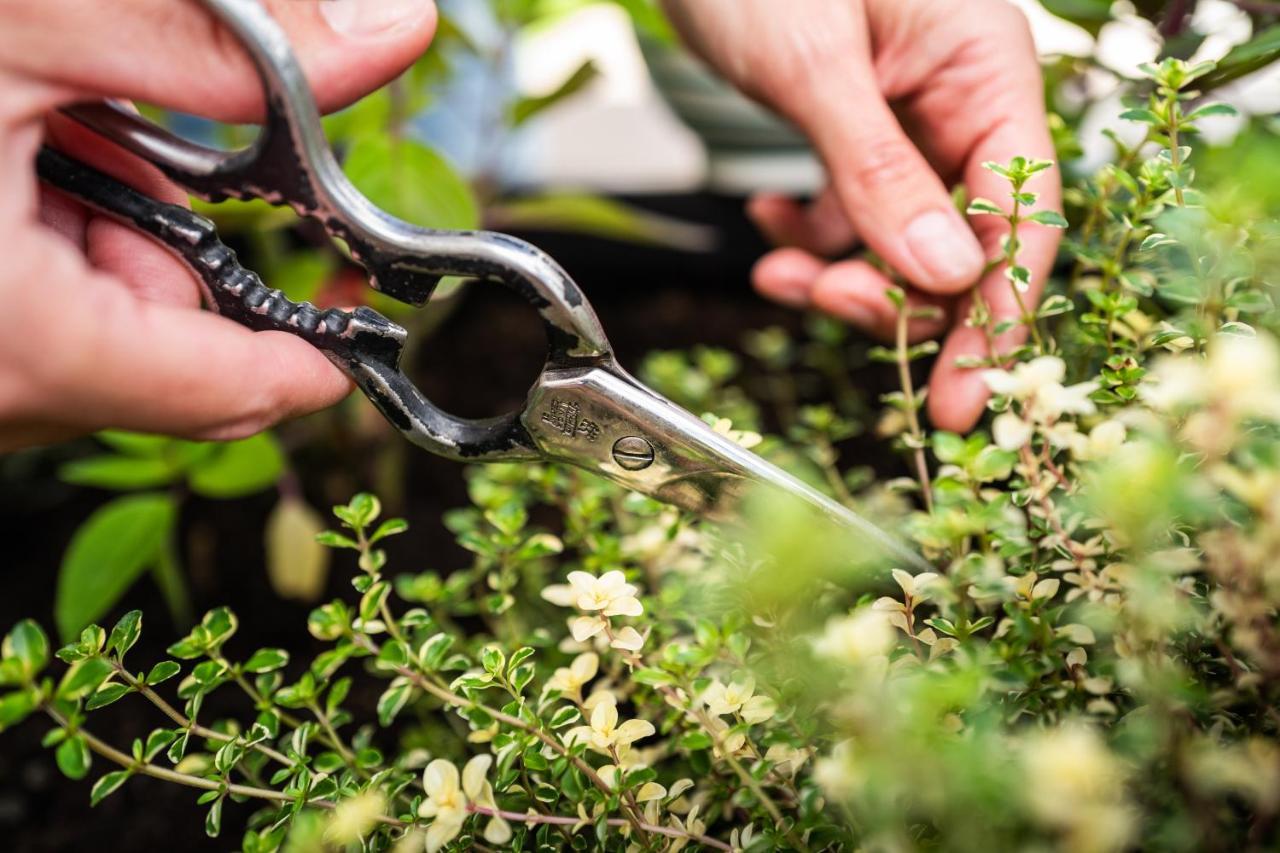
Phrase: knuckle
[883,163]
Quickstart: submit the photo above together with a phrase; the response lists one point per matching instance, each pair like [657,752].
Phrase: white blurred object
[616,134]
[619,134]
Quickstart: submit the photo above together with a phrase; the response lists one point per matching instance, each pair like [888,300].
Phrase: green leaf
[73,757]
[433,651]
[135,443]
[106,555]
[107,785]
[390,527]
[1050,218]
[15,707]
[1212,110]
[163,671]
[948,447]
[157,741]
[1251,302]
[28,645]
[1142,115]
[83,677]
[122,473]
[694,741]
[213,820]
[393,700]
[564,716]
[220,623]
[410,181]
[106,694]
[596,216]
[125,633]
[493,660]
[239,468]
[539,545]
[266,660]
[526,108]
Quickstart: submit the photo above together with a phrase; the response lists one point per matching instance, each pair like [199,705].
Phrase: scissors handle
[292,164]
[365,344]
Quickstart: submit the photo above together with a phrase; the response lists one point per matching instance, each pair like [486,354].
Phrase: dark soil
[479,363]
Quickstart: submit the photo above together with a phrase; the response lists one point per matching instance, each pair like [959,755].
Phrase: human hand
[901,98]
[103,327]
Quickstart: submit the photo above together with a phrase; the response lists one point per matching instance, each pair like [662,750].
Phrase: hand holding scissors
[583,409]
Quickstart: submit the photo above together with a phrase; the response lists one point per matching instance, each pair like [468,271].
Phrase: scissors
[584,409]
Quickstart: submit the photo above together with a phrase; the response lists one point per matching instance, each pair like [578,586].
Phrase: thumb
[175,54]
[897,204]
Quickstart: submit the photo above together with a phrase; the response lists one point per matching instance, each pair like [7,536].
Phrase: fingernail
[361,18]
[945,247]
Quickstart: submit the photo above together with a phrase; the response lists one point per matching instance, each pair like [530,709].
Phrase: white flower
[605,733]
[570,680]
[446,802]
[1010,431]
[743,438]
[1053,401]
[856,639]
[352,819]
[609,594]
[1104,439]
[1026,379]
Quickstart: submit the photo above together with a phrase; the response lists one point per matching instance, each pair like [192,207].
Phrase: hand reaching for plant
[103,326]
[901,98]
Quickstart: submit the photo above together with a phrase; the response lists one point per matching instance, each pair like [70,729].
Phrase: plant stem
[114,755]
[184,722]
[1011,261]
[556,820]
[450,698]
[913,417]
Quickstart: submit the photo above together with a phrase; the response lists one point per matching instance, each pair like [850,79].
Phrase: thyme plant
[1092,664]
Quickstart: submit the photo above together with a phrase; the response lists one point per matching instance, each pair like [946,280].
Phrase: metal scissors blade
[584,409]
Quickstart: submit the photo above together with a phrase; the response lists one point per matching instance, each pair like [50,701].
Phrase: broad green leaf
[163,671]
[297,560]
[28,645]
[410,181]
[266,660]
[73,757]
[83,677]
[239,468]
[122,473]
[595,216]
[106,694]
[14,707]
[106,555]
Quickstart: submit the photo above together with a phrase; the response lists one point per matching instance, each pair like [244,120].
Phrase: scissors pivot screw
[633,453]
